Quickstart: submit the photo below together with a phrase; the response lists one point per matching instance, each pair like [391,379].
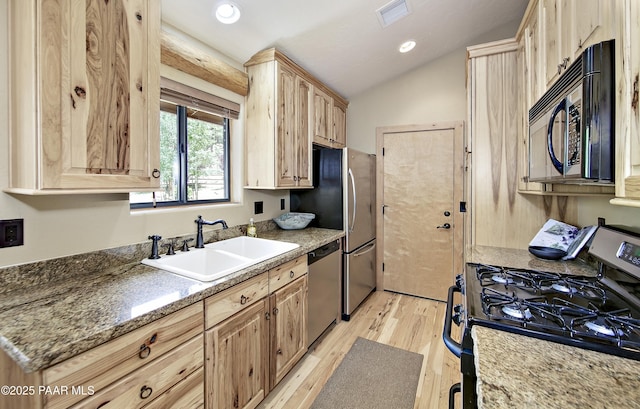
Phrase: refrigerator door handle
[353,191]
[365,249]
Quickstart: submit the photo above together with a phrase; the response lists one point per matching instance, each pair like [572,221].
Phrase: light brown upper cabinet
[627,107]
[339,125]
[287,110]
[569,28]
[323,108]
[84,92]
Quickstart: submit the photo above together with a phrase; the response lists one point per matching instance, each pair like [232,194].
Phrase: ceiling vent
[392,12]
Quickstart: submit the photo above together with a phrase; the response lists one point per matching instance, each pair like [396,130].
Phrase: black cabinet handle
[145,392]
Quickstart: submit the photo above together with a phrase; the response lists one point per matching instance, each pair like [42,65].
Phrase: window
[194,148]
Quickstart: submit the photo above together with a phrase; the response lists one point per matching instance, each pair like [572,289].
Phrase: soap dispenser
[251,229]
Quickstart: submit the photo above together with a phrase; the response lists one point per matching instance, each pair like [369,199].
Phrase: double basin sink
[221,258]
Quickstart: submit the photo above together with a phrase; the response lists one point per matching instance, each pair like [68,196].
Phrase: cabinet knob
[155,173]
[444,226]
[243,300]
[291,274]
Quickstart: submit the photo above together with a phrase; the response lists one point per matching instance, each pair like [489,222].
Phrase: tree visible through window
[194,158]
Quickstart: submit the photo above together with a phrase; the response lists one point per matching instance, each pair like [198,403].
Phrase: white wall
[64,225]
[436,93]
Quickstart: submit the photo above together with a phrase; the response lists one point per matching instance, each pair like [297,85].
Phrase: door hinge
[383,151]
[382,266]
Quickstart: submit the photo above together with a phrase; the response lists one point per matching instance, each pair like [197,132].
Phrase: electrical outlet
[257,207]
[11,232]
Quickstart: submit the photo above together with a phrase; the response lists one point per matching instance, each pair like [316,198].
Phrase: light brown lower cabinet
[142,386]
[187,394]
[236,357]
[249,352]
[288,328]
[139,365]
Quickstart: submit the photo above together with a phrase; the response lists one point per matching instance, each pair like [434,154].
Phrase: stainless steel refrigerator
[343,198]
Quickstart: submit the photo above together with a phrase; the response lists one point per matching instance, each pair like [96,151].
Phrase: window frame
[183,166]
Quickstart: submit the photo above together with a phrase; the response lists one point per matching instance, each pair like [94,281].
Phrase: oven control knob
[457,316]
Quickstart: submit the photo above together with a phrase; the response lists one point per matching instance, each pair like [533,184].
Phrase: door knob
[444,226]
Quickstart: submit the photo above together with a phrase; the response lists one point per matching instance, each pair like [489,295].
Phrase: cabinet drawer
[187,394]
[142,386]
[113,360]
[221,306]
[287,272]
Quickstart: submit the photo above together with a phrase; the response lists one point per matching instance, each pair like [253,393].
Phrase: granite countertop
[44,324]
[520,258]
[519,371]
[524,372]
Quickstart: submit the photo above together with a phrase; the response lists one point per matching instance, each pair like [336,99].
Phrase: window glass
[194,158]
[206,153]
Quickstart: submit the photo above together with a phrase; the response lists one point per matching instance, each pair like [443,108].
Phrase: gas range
[599,313]
[574,310]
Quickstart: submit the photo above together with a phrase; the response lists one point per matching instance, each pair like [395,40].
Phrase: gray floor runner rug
[372,376]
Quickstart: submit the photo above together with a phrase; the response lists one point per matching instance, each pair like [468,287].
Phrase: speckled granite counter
[518,258]
[524,372]
[515,371]
[46,323]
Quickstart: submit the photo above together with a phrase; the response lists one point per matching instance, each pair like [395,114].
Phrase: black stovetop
[574,310]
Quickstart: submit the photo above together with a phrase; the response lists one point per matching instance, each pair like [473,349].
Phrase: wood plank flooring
[403,321]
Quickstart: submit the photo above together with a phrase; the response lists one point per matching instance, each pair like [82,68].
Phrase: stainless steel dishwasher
[325,270]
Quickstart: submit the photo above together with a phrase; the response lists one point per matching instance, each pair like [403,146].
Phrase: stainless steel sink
[221,258]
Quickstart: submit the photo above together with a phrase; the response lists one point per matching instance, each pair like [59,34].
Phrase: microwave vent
[566,80]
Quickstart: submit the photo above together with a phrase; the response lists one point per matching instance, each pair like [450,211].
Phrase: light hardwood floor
[406,322]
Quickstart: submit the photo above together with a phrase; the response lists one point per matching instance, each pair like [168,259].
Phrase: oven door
[464,350]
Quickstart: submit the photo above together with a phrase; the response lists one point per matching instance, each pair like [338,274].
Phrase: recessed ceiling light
[227,13]
[407,46]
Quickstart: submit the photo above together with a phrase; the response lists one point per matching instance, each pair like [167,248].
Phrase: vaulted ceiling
[342,42]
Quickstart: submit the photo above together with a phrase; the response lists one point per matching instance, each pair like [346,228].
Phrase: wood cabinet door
[107,65]
[322,126]
[627,76]
[532,44]
[552,40]
[523,67]
[286,127]
[236,359]
[304,161]
[339,127]
[288,308]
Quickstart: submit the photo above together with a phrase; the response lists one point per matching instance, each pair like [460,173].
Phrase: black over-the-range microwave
[572,127]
